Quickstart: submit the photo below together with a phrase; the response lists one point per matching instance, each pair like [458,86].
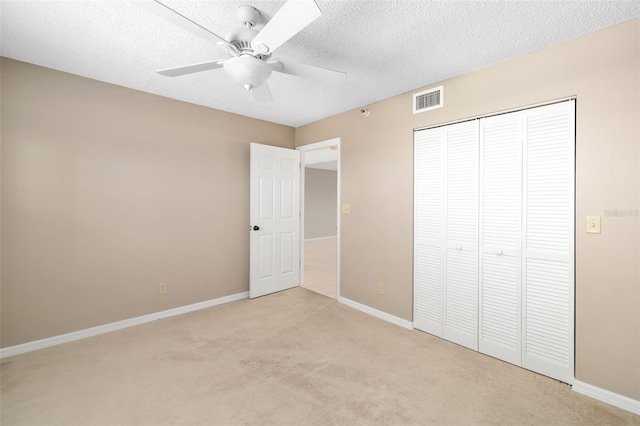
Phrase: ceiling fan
[250,50]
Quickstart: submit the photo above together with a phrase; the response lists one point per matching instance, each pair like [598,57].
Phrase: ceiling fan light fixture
[246,71]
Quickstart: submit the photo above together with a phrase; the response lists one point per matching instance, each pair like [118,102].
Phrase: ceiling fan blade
[287,22]
[190,69]
[262,93]
[168,14]
[309,71]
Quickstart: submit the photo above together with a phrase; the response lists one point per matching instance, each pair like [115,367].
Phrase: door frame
[312,147]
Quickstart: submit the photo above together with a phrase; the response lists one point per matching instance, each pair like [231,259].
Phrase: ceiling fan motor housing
[241,39]
[248,16]
[247,71]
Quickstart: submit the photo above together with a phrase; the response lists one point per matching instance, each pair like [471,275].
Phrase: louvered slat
[428,292]
[461,298]
[548,193]
[461,182]
[428,187]
[547,327]
[500,303]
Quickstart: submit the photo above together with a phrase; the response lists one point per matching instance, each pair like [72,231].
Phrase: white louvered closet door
[429,231]
[499,333]
[494,235]
[460,299]
[548,246]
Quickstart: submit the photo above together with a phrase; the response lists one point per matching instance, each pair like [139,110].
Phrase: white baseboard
[609,397]
[376,313]
[106,328]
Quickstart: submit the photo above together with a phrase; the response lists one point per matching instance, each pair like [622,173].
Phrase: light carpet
[291,358]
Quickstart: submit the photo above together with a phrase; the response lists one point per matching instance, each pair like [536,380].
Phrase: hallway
[320,266]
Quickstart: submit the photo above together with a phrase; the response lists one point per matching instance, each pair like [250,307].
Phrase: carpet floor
[291,358]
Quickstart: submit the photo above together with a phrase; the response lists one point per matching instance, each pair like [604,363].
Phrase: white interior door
[274,227]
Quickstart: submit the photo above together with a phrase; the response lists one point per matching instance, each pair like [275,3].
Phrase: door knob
[459,247]
[256,228]
[499,252]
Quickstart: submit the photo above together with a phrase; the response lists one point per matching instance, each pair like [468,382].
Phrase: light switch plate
[593,224]
[346,208]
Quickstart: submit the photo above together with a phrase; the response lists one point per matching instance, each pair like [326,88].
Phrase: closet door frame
[563,371]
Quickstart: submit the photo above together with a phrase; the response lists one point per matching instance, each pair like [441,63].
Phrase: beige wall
[320,202]
[107,192]
[603,70]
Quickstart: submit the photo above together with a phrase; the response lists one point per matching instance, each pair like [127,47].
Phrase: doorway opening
[320,224]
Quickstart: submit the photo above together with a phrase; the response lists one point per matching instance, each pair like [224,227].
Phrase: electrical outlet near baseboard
[380,288]
[162,288]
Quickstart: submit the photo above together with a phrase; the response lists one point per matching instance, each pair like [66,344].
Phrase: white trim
[106,328]
[311,147]
[609,397]
[376,313]
[491,114]
[330,237]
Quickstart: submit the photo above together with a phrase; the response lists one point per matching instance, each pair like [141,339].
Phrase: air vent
[428,100]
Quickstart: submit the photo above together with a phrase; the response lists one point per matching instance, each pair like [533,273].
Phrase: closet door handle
[458,246]
[499,252]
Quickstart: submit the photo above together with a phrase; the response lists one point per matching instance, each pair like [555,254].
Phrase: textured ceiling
[385,47]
